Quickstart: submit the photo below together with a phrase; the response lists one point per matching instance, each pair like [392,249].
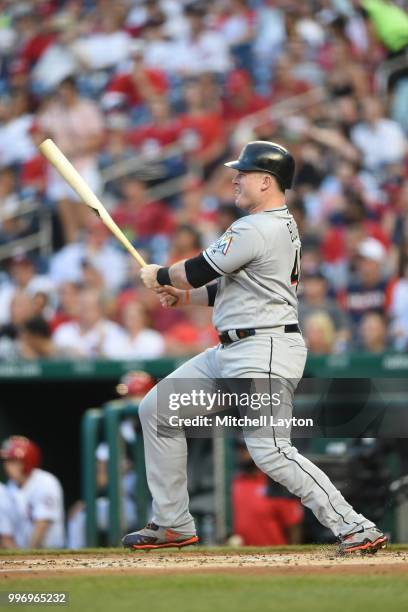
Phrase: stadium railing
[105,424]
[348,365]
[39,239]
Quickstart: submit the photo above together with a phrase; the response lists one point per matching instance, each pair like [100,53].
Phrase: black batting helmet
[264,156]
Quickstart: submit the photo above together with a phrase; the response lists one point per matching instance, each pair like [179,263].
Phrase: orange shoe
[366,540]
[153,536]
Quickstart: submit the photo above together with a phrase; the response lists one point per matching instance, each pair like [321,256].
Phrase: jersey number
[295,275]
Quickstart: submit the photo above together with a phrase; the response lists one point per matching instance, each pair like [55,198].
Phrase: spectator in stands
[193,334]
[203,49]
[34,38]
[42,305]
[108,46]
[367,290]
[198,206]
[315,298]
[144,13]
[320,333]
[186,243]
[18,75]
[373,333]
[15,142]
[236,24]
[201,132]
[57,62]
[380,140]
[35,340]
[342,195]
[240,99]
[92,278]
[34,169]
[160,49]
[144,342]
[133,89]
[345,77]
[23,276]
[142,220]
[284,83]
[21,309]
[68,304]
[258,519]
[270,36]
[159,132]
[116,150]
[156,136]
[96,248]
[77,126]
[92,336]
[305,68]
[162,318]
[36,496]
[12,226]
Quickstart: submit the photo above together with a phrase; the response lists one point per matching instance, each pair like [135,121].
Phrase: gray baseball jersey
[259,259]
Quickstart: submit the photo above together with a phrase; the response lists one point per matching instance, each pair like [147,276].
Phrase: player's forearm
[186,274]
[195,272]
[178,277]
[199,297]
[40,529]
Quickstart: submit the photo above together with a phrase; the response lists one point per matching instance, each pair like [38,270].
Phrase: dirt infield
[80,563]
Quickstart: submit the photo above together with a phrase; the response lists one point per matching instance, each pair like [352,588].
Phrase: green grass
[226,593]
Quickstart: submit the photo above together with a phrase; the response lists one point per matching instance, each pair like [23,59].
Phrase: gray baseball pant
[266,355]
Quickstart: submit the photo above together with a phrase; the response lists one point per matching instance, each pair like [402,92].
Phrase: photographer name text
[236,421]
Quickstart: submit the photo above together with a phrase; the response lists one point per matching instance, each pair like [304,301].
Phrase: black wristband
[163,276]
[212,292]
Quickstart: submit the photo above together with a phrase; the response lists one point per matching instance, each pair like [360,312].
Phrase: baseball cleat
[152,536]
[366,541]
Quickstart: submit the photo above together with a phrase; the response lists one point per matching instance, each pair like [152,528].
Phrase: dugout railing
[104,424]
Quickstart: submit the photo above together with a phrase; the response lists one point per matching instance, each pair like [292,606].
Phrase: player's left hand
[170,297]
[148,275]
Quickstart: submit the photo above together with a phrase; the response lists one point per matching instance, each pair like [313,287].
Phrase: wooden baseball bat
[56,157]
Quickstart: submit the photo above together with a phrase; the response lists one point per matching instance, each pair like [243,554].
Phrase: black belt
[233,335]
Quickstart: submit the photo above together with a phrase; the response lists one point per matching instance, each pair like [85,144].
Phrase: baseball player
[257,266]
[6,520]
[34,496]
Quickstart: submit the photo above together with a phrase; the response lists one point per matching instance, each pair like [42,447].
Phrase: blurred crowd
[147,98]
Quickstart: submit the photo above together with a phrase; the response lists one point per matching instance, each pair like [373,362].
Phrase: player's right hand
[169,296]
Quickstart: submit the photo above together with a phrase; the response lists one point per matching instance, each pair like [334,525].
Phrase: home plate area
[322,558]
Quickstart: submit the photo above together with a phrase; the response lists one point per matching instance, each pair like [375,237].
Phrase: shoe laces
[152,526]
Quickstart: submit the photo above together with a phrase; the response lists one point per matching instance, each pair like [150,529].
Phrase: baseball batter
[257,267]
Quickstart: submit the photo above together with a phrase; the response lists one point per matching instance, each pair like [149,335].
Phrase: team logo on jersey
[223,244]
